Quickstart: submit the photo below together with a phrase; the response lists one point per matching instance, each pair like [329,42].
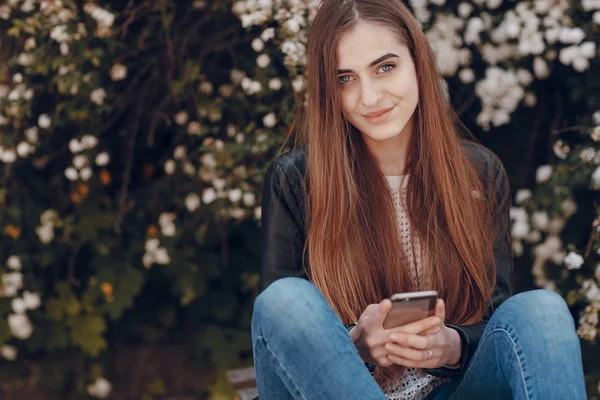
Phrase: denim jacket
[284,233]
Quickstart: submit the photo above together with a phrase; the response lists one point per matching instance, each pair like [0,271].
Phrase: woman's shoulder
[292,164]
[485,159]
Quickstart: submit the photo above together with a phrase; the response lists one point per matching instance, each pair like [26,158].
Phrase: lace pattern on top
[412,385]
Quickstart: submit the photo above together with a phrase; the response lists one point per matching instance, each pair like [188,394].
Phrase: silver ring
[429,354]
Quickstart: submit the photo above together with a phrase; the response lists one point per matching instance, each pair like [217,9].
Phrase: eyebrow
[373,63]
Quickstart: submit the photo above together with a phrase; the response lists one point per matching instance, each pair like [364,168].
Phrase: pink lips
[378,116]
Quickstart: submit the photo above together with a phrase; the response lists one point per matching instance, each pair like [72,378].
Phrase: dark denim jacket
[284,233]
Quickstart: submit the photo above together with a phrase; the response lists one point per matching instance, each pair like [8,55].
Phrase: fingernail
[393,337]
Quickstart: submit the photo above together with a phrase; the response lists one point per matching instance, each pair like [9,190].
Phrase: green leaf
[86,333]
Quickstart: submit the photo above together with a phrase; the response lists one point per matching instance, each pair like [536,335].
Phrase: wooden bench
[243,381]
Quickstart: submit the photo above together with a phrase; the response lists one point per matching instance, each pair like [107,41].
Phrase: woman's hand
[370,337]
[437,347]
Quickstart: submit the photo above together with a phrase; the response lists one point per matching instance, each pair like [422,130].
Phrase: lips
[377,113]
[378,117]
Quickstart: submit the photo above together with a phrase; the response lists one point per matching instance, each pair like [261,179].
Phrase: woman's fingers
[419,326]
[440,309]
[409,353]
[414,341]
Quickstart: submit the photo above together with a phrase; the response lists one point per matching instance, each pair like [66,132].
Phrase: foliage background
[133,140]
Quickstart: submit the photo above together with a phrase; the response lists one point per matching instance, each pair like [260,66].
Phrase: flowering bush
[134,139]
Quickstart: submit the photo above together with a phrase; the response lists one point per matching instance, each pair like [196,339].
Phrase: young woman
[382,196]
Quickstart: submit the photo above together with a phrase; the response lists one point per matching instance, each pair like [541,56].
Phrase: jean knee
[284,306]
[539,308]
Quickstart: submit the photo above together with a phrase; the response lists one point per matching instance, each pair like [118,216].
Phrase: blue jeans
[529,350]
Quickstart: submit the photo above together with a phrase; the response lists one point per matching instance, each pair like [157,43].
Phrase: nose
[370,94]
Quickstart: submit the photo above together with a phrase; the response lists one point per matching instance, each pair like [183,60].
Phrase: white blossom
[59,34]
[31,300]
[89,141]
[102,159]
[162,256]
[263,61]
[569,207]
[249,199]
[8,352]
[24,149]
[543,173]
[465,9]
[235,195]
[258,45]
[45,233]
[152,245]
[11,283]
[209,195]
[275,84]
[71,174]
[85,174]
[180,152]
[194,128]
[75,146]
[298,83]
[14,263]
[540,220]
[267,34]
[8,156]
[170,167]
[79,161]
[18,305]
[118,72]
[44,121]
[101,388]
[97,96]
[466,75]
[20,326]
[269,120]
[192,202]
[181,118]
[65,49]
[573,260]
[596,179]
[522,195]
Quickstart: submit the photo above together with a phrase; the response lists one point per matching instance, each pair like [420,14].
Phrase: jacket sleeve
[283,231]
[471,334]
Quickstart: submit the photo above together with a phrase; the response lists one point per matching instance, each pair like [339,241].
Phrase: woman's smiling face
[377,82]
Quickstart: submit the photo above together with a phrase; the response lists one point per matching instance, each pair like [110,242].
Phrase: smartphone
[410,307]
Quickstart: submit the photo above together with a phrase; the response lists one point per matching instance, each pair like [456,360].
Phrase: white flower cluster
[531,34]
[447,44]
[12,281]
[19,324]
[104,19]
[192,202]
[500,92]
[45,230]
[81,168]
[100,388]
[155,254]
[167,224]
[291,15]
[118,72]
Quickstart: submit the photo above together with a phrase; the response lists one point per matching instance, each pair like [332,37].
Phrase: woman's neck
[391,154]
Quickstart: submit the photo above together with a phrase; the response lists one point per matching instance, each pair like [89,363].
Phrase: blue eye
[387,67]
[342,79]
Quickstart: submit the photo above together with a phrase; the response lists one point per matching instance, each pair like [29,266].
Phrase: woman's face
[377,82]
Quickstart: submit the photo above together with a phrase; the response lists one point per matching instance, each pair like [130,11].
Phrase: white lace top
[413,384]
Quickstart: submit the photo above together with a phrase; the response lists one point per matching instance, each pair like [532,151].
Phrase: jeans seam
[479,349]
[274,356]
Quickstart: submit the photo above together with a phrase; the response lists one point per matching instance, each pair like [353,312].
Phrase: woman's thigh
[301,346]
[529,349]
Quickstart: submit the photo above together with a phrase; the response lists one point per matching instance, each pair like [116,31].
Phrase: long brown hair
[353,245]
